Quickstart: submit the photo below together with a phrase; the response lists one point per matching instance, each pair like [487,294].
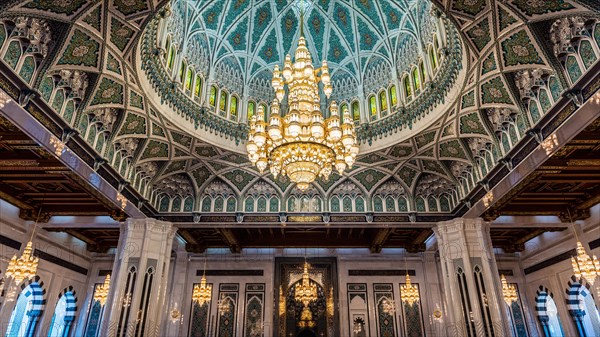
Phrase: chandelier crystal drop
[584,266]
[302,144]
[24,267]
[101,293]
[409,293]
[509,292]
[306,291]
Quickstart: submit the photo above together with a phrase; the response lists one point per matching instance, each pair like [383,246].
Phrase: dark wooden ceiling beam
[379,240]
[230,238]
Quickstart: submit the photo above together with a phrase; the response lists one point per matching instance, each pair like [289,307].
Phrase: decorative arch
[547,313]
[29,307]
[581,306]
[64,313]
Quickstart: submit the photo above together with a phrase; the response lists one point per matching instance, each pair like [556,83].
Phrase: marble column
[178,287]
[139,281]
[472,287]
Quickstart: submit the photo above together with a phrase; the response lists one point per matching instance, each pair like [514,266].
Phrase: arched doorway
[582,308]
[547,313]
[64,314]
[27,311]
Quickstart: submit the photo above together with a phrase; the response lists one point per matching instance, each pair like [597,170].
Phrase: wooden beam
[380,239]
[231,240]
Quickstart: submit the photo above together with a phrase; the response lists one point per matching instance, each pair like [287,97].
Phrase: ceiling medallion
[302,144]
[509,292]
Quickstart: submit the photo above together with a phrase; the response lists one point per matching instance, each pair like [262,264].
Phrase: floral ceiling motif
[89,77]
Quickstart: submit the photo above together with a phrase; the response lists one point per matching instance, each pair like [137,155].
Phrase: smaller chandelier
[202,292]
[409,293]
[584,266]
[306,291]
[223,305]
[509,292]
[388,306]
[24,267]
[306,319]
[101,293]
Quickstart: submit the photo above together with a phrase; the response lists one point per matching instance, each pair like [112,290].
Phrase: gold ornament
[509,292]
[306,291]
[24,267]
[584,266]
[101,293]
[409,293]
[302,144]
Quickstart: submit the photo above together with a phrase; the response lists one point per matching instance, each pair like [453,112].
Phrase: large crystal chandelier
[409,293]
[302,144]
[509,292]
[24,267]
[306,291]
[202,293]
[584,266]
[101,293]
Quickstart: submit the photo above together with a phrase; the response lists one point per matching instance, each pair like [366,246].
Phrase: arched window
[223,103]
[407,87]
[212,99]
[171,56]
[189,76]
[383,105]
[27,311]
[373,107]
[416,79]
[182,70]
[94,316]
[198,86]
[547,313]
[355,112]
[393,95]
[63,317]
[233,108]
[422,71]
[251,109]
[433,58]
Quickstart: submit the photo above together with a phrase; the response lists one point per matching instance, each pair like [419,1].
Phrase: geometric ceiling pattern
[250,36]
[83,65]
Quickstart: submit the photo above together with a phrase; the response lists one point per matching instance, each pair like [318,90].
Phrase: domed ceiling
[250,36]
[95,58]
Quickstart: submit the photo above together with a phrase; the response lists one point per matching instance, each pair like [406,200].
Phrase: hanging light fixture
[24,267]
[202,292]
[101,293]
[302,144]
[409,293]
[223,305]
[584,266]
[306,291]
[388,306]
[509,292]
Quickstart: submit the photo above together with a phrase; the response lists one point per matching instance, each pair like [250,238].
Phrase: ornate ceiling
[249,37]
[517,67]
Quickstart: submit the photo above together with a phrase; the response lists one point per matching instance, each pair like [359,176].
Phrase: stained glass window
[212,99]
[393,95]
